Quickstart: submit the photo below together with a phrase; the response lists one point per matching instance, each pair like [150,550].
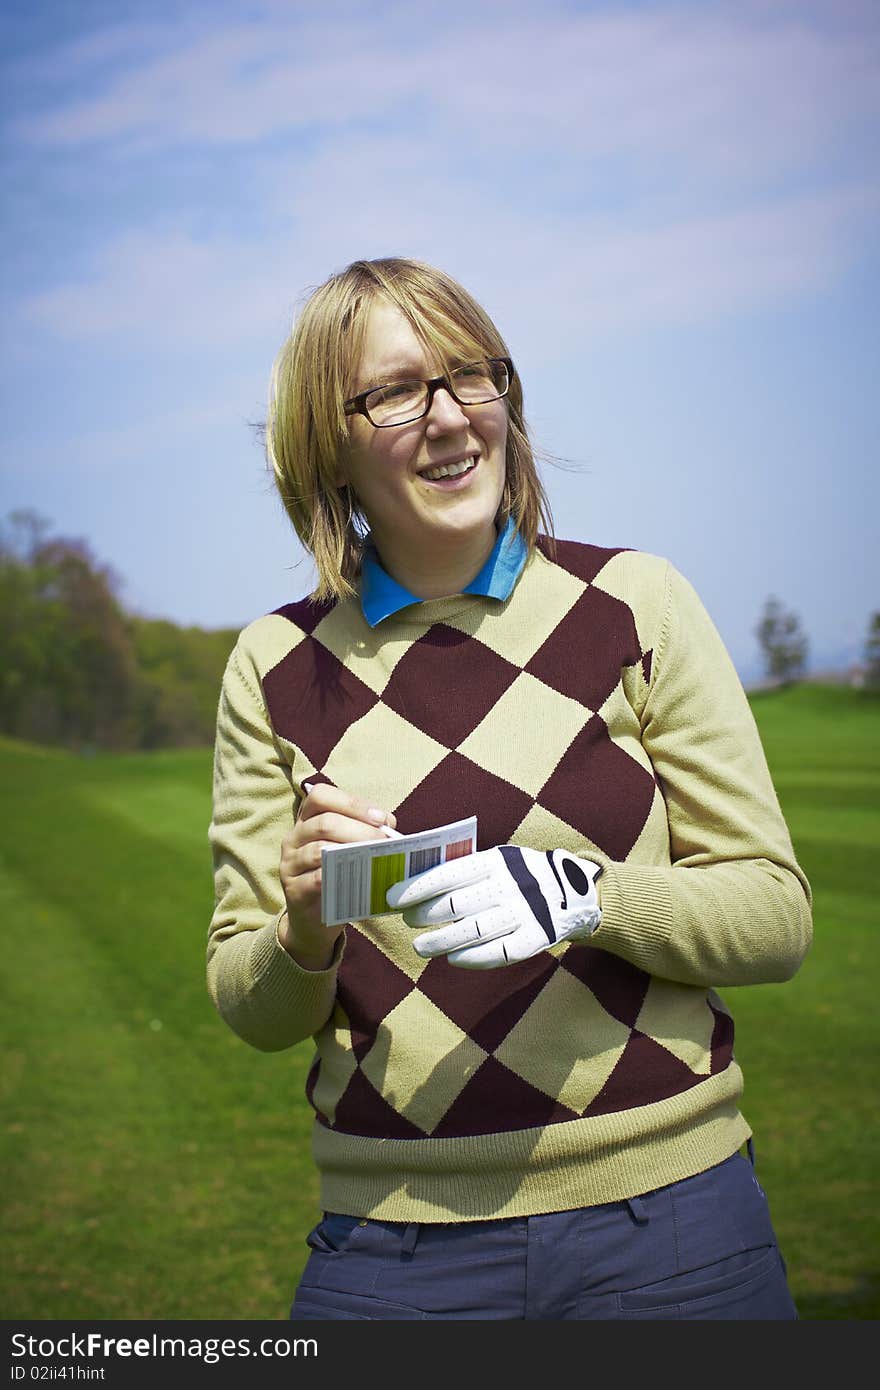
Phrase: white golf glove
[502,905]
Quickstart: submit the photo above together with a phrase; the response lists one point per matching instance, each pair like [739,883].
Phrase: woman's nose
[445,414]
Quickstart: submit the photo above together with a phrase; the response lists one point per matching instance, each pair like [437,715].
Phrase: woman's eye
[473,371]
[399,391]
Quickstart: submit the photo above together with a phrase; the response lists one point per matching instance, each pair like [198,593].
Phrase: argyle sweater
[597,710]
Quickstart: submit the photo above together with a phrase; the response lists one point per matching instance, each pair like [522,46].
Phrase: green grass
[809,1049]
[155,1167]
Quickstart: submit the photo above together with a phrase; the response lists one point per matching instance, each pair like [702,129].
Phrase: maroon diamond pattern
[457,788]
[618,986]
[583,561]
[486,1004]
[305,614]
[722,1041]
[447,683]
[584,654]
[368,987]
[496,1099]
[312,1081]
[312,699]
[645,1073]
[361,1110]
[317,779]
[600,791]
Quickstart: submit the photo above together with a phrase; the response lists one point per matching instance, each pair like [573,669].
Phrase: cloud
[704,266]
[618,165]
[167,291]
[723,88]
[587,276]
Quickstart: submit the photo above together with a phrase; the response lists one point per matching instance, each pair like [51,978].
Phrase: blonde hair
[307,431]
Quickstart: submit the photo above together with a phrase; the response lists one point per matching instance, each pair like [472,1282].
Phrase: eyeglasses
[401,402]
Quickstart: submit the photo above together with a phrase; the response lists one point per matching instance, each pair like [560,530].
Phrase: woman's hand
[327,816]
[500,906]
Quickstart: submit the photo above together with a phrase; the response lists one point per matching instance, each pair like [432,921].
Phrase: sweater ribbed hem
[579,1163]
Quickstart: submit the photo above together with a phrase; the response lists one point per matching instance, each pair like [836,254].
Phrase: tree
[179,674]
[77,670]
[783,642]
[872,653]
[65,653]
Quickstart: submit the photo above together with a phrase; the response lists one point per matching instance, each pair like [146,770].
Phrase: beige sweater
[595,709]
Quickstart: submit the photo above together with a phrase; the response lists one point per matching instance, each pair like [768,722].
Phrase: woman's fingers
[325,799]
[327,816]
[334,828]
[297,858]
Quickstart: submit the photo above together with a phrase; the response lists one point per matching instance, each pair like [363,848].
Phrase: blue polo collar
[381,595]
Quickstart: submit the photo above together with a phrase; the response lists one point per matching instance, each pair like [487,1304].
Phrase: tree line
[784,646]
[78,671]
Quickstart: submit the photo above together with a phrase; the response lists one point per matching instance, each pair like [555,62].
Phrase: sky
[670,210]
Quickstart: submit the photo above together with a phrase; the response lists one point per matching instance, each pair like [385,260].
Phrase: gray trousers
[703,1248]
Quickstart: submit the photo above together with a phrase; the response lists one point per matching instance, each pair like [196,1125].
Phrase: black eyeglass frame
[358,404]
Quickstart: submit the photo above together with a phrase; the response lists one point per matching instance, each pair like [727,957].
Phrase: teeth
[449,470]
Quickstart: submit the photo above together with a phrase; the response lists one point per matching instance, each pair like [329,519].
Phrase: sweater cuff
[636,904]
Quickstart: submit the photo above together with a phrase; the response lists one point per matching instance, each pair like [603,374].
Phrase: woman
[530,1109]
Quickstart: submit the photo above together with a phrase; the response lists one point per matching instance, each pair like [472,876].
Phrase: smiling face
[430,490]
